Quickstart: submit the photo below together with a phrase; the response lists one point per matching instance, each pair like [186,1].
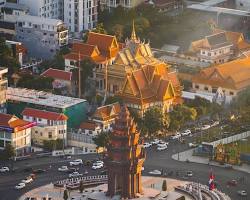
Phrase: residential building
[109,4]
[80,15]
[105,115]
[226,79]
[52,9]
[18,50]
[63,81]
[16,132]
[74,108]
[243,5]
[43,38]
[90,128]
[3,89]
[11,11]
[220,47]
[49,125]
[99,48]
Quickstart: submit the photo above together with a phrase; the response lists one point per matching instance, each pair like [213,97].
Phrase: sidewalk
[188,155]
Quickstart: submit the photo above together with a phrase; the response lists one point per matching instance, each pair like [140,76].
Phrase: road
[154,160]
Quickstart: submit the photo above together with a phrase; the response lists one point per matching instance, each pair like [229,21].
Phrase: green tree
[164,185]
[9,152]
[81,187]
[153,121]
[102,139]
[65,195]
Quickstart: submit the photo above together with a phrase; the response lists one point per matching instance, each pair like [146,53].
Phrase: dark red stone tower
[125,158]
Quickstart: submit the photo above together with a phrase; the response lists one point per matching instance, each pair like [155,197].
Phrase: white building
[49,125]
[45,8]
[80,15]
[243,5]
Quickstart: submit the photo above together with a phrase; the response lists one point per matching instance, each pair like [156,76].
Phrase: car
[72,169]
[76,162]
[155,172]
[162,144]
[186,132]
[38,171]
[20,186]
[63,169]
[4,169]
[74,174]
[146,145]
[97,166]
[205,127]
[176,136]
[27,180]
[162,148]
[155,141]
[99,162]
[189,173]
[191,145]
[242,193]
[232,183]
[228,166]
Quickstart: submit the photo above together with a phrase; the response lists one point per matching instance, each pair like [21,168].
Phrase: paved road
[154,160]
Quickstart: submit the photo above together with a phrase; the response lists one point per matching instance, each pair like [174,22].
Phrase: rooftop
[57,74]
[39,20]
[41,98]
[16,6]
[11,121]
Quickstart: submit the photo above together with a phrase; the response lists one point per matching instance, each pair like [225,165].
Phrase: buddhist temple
[139,78]
[125,158]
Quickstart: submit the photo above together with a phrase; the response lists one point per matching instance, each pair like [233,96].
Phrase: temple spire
[133,34]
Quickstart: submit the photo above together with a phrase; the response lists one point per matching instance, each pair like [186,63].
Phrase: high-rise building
[125,158]
[3,89]
[80,15]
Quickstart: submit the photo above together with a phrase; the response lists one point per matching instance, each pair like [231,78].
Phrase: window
[44,33]
[209,54]
[50,135]
[72,62]
[231,93]
[39,119]
[197,86]
[41,134]
[206,88]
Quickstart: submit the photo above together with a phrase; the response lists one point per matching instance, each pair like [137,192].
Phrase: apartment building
[109,4]
[42,38]
[16,132]
[3,89]
[45,8]
[80,15]
[49,125]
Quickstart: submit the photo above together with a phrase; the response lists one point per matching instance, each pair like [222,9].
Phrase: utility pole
[79,76]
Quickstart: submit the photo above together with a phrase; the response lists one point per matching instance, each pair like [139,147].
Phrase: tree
[164,185]
[9,151]
[117,30]
[102,139]
[81,187]
[65,195]
[153,120]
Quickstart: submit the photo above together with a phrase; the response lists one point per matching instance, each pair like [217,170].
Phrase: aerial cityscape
[124,99]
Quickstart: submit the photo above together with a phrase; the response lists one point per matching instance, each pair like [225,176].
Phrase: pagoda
[125,158]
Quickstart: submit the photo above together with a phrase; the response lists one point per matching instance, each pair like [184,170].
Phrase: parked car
[162,148]
[4,169]
[74,174]
[97,166]
[20,186]
[146,145]
[176,136]
[189,174]
[99,162]
[191,145]
[232,183]
[63,169]
[155,172]
[155,141]
[162,144]
[228,166]
[186,132]
[76,162]
[242,193]
[205,127]
[27,180]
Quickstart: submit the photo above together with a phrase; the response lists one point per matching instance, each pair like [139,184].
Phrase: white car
[189,173]
[242,193]
[205,127]
[20,186]
[162,144]
[162,148]
[76,162]
[4,169]
[63,169]
[97,166]
[99,162]
[191,145]
[186,132]
[176,136]
[155,172]
[155,141]
[146,145]
[74,174]
[27,180]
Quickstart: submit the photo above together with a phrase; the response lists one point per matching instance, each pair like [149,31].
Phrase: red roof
[43,114]
[57,74]
[11,121]
[88,125]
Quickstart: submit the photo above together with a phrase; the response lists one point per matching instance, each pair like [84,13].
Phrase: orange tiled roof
[11,121]
[107,112]
[103,41]
[232,75]
[88,125]
[43,114]
[57,74]
[84,49]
